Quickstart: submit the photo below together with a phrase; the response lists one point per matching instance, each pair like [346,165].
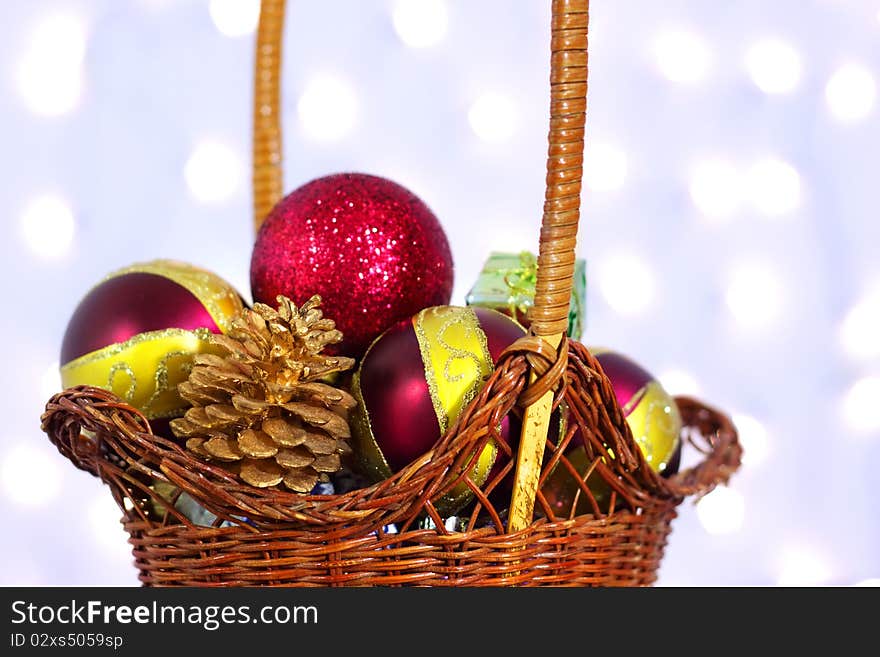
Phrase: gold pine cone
[263,408]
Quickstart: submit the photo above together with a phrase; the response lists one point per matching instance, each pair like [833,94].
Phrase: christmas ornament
[370,248]
[507,284]
[674,464]
[137,331]
[262,407]
[170,495]
[653,418]
[415,380]
[650,411]
[450,524]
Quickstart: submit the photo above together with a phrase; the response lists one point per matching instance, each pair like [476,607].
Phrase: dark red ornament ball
[373,250]
[397,401]
[124,306]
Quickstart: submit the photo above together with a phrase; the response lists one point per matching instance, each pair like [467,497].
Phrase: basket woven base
[623,550]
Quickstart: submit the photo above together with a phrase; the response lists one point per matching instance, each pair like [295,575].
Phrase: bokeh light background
[730,220]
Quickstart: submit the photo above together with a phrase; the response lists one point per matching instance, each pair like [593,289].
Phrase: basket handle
[722,452]
[268,176]
[559,226]
[565,160]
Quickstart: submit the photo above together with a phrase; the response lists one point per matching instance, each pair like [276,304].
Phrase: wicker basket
[391,533]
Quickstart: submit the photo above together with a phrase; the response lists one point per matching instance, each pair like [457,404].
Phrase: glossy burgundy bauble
[650,411]
[124,306]
[653,418]
[396,397]
[374,252]
[395,391]
[627,377]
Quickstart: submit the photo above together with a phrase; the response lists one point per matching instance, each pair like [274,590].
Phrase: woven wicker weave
[391,533]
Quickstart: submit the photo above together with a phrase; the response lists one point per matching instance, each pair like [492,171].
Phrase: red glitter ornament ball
[373,250]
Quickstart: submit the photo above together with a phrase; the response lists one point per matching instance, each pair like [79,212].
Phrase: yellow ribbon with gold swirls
[457,363]
[145,370]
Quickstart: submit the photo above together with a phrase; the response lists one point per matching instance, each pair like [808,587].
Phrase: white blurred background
[730,220]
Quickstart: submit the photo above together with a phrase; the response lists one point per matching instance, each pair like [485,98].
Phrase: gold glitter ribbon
[456,358]
[145,370]
[457,363]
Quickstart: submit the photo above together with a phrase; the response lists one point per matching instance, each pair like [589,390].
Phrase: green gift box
[507,284]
